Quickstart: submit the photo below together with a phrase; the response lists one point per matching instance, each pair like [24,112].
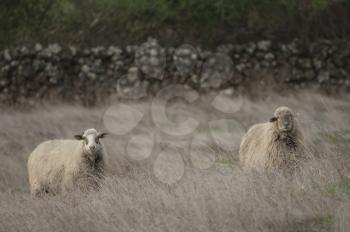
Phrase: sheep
[57,166]
[277,145]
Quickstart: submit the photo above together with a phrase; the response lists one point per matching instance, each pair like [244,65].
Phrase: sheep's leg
[37,190]
[67,184]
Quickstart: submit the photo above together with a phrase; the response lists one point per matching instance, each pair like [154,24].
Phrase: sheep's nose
[92,147]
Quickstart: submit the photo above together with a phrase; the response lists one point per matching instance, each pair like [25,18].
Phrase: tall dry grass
[199,186]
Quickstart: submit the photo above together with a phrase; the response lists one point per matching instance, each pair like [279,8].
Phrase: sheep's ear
[273,119]
[102,135]
[78,137]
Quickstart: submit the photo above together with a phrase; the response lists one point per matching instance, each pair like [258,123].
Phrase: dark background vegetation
[205,22]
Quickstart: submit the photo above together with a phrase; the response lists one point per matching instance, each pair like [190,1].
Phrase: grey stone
[269,56]
[323,76]
[85,68]
[150,59]
[38,47]
[54,48]
[154,61]
[131,88]
[251,48]
[133,74]
[7,55]
[216,70]
[317,64]
[92,75]
[240,67]
[264,45]
[73,50]
[305,63]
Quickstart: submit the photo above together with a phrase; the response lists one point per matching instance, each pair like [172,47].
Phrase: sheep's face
[91,141]
[284,119]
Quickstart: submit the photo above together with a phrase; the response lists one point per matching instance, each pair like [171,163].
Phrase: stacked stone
[91,74]
[131,86]
[217,69]
[67,73]
[185,59]
[150,58]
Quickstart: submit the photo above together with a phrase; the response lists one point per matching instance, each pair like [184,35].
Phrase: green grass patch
[318,224]
[226,162]
[340,140]
[342,188]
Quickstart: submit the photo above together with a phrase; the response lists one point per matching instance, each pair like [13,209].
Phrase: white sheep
[62,165]
[275,145]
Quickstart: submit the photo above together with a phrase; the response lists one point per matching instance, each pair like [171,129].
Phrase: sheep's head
[284,119]
[91,140]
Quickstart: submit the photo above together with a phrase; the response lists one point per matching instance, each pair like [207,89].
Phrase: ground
[173,166]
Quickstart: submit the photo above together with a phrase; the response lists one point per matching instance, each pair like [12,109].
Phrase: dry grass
[186,183]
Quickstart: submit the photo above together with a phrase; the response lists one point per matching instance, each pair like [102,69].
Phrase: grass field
[188,181]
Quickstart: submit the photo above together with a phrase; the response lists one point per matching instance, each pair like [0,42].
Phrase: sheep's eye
[273,119]
[86,141]
[97,141]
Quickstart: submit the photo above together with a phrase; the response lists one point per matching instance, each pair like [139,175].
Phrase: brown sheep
[275,145]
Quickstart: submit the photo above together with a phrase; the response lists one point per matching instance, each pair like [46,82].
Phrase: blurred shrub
[205,21]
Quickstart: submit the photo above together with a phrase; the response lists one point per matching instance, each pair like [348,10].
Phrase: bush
[204,21]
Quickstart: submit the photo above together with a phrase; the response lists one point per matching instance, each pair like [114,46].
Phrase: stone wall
[89,75]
